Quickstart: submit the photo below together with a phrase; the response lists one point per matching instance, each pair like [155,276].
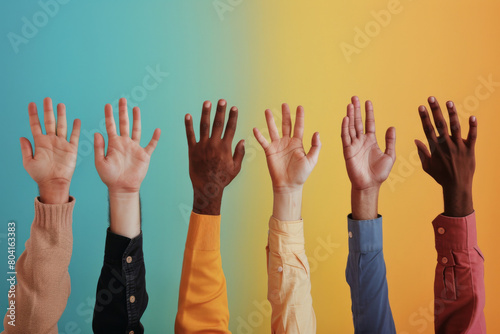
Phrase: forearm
[364,203]
[42,271]
[202,294]
[366,276]
[287,205]
[458,200]
[289,279]
[459,289]
[125,213]
[121,296]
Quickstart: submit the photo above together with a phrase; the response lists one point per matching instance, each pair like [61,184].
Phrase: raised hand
[451,160]
[124,167]
[212,166]
[288,163]
[54,161]
[367,166]
[126,163]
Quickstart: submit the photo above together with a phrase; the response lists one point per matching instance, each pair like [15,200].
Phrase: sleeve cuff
[455,232]
[203,232]
[119,247]
[54,216]
[286,236]
[365,235]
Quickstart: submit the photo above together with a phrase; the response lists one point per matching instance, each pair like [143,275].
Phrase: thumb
[313,153]
[239,153]
[423,154]
[26,150]
[98,147]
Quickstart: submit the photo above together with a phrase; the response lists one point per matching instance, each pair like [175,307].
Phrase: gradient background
[256,54]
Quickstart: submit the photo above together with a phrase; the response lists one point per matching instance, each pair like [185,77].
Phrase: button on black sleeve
[121,296]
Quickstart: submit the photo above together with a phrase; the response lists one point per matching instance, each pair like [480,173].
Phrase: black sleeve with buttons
[121,296]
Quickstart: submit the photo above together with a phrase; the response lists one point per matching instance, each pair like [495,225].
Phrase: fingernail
[473,118]
[432,99]
[421,108]
[449,104]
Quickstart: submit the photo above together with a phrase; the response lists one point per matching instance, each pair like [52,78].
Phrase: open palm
[288,163]
[126,163]
[55,157]
[367,166]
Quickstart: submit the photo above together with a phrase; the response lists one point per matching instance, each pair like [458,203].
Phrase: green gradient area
[91,53]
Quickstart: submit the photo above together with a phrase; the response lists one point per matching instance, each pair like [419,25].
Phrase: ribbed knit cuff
[54,216]
[203,232]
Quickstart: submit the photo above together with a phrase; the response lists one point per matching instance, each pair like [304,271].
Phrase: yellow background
[428,48]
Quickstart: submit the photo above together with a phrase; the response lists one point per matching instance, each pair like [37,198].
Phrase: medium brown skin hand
[451,161]
[123,168]
[367,166]
[212,166]
[54,161]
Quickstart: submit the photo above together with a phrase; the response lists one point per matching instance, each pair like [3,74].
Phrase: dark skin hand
[451,161]
[212,165]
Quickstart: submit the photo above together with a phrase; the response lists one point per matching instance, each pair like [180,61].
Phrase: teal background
[92,53]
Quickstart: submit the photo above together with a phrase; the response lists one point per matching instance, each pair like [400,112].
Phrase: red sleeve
[459,282]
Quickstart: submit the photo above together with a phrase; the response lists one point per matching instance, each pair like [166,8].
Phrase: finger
[430,134]
[62,125]
[472,136]
[286,122]
[298,128]
[110,120]
[191,138]
[231,125]
[313,153]
[48,116]
[36,128]
[358,120]
[456,131]
[239,153]
[98,147]
[26,150]
[260,138]
[344,134]
[154,142]
[439,121]
[390,142]
[75,134]
[370,117]
[205,120]
[136,126]
[220,116]
[273,130]
[350,117]
[423,154]
[123,117]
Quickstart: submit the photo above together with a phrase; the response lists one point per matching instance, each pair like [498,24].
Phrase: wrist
[54,192]
[206,203]
[364,203]
[287,205]
[125,213]
[458,201]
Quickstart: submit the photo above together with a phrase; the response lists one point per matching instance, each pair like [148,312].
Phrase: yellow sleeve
[203,303]
[43,283]
[289,281]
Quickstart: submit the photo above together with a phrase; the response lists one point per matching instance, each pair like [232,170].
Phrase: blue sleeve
[366,276]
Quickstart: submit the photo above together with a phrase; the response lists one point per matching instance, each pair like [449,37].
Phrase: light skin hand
[212,165]
[123,168]
[367,166]
[451,160]
[288,163]
[54,161]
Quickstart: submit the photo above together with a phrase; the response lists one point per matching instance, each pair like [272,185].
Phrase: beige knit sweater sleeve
[43,283]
